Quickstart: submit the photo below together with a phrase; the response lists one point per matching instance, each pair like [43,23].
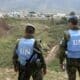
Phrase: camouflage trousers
[26,72]
[73,65]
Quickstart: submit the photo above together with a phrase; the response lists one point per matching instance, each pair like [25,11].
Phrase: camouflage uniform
[72,65]
[25,72]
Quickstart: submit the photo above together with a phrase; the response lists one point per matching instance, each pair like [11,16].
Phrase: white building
[59,15]
[17,14]
[1,15]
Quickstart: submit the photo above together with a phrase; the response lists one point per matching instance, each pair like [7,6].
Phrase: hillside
[47,31]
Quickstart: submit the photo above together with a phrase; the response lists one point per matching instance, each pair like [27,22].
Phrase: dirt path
[52,54]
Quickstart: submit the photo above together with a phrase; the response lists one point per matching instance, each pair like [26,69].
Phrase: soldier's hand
[16,69]
[44,71]
[62,67]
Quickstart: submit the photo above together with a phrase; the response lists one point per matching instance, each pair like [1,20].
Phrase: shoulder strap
[32,54]
[35,51]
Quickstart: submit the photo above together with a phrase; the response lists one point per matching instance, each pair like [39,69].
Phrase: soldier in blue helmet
[70,49]
[28,58]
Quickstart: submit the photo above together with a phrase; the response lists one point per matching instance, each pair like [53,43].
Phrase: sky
[40,5]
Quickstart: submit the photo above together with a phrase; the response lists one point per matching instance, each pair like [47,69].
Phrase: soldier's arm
[38,47]
[63,47]
[15,58]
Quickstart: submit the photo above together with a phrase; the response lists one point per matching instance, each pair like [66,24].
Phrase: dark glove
[16,69]
[44,71]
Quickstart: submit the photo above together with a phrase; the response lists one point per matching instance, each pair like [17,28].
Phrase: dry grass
[9,74]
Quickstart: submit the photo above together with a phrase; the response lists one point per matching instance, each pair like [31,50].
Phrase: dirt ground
[9,74]
[52,54]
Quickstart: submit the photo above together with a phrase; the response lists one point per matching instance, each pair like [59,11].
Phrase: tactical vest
[25,50]
[73,45]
